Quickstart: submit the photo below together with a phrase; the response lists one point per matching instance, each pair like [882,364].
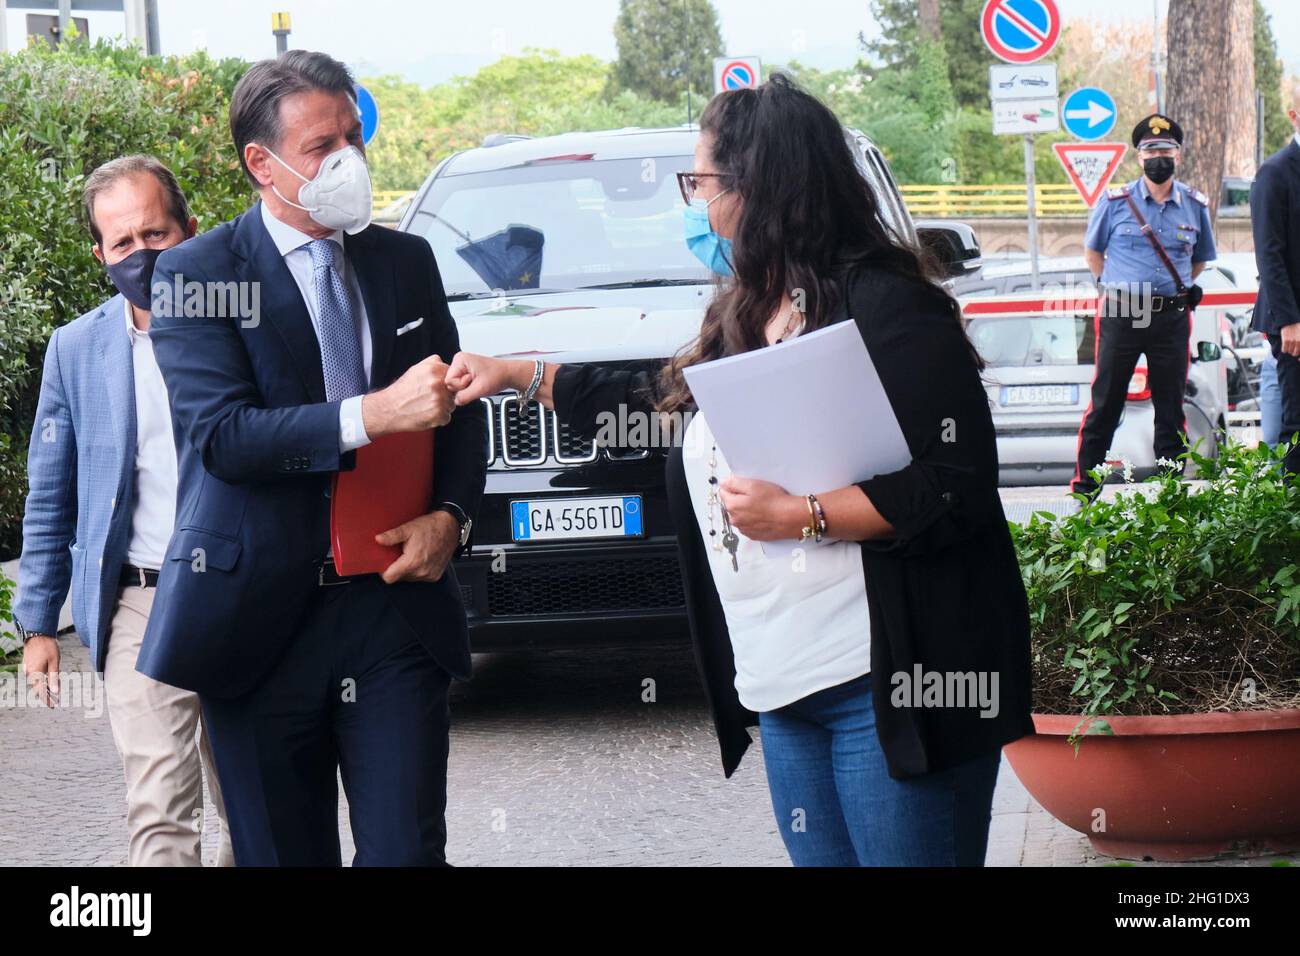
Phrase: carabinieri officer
[1147,297]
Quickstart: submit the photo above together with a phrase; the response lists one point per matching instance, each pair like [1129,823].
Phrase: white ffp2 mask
[339,196]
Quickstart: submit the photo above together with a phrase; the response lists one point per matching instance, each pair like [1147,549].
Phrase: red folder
[391,484]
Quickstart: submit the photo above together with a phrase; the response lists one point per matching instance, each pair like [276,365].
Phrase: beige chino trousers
[155,727]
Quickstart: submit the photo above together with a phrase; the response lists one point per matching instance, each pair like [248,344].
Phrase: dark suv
[570,248]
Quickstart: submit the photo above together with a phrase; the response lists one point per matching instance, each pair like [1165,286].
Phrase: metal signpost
[1024,93]
[281,27]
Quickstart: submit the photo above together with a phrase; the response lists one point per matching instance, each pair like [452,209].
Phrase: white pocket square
[411,325]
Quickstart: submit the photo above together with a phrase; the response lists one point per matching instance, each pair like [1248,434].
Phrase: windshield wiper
[647,283]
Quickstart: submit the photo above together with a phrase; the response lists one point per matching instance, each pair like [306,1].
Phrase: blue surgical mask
[707,246]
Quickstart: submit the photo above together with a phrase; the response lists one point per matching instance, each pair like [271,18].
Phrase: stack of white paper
[809,414]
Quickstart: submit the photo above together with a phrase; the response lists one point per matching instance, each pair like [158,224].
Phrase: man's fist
[417,401]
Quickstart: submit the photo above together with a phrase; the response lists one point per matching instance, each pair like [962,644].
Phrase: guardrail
[999,199]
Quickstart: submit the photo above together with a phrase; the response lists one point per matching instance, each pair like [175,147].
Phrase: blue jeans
[1270,403]
[836,804]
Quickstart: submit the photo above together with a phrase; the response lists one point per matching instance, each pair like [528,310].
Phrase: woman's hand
[472,376]
[762,511]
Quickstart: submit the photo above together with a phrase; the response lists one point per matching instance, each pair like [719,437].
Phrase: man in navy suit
[1275,220]
[289,337]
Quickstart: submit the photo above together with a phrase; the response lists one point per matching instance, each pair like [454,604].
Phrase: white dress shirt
[153,510]
[292,245]
[798,623]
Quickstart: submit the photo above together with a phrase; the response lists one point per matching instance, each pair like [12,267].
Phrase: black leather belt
[136,577]
[1120,301]
[1168,303]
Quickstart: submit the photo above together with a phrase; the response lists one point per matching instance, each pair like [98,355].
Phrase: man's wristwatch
[455,510]
[25,635]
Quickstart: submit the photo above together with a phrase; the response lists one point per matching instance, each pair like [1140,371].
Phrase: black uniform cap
[1157,128]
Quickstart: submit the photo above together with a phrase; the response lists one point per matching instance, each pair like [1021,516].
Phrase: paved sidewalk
[557,779]
[555,760]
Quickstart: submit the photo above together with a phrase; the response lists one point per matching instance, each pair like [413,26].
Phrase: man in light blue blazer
[101,509]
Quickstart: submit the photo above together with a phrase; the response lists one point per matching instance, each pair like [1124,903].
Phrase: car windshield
[558,225]
[1033,340]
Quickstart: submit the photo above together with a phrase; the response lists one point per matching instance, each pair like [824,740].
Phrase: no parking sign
[1020,31]
[736,73]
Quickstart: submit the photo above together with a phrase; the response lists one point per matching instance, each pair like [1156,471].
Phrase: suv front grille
[574,587]
[532,436]
[523,432]
[570,448]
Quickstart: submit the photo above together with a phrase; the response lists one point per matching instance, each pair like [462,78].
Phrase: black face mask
[133,276]
[1158,168]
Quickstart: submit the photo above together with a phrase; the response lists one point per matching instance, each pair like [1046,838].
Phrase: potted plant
[1166,655]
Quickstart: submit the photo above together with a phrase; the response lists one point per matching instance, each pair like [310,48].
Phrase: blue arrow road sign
[369,111]
[1089,113]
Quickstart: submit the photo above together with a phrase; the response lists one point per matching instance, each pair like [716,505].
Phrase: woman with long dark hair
[888,665]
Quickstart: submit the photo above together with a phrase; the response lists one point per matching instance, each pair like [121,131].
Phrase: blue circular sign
[1089,113]
[369,112]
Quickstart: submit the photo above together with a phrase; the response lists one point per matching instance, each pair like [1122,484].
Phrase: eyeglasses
[689,183]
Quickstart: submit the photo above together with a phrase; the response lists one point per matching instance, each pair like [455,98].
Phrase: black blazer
[1275,222]
[945,593]
[258,445]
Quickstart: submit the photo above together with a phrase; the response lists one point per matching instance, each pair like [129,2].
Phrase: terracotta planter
[1170,788]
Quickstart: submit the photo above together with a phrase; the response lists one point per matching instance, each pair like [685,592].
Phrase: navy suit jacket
[258,445]
[1275,221]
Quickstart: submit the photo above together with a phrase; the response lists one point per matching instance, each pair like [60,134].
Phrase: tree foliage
[537,93]
[62,113]
[665,47]
[966,58]
[1268,79]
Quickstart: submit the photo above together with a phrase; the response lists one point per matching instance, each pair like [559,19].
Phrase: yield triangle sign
[1090,166]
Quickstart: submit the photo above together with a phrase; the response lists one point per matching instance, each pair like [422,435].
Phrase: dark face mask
[133,276]
[1158,168]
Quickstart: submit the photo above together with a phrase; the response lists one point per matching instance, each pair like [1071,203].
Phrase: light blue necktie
[340,345]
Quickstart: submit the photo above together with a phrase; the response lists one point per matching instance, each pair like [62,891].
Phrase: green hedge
[62,113]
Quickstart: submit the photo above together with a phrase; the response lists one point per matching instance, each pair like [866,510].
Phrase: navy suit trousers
[1288,384]
[356,693]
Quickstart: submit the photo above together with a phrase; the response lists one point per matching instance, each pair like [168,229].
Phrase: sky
[429,41]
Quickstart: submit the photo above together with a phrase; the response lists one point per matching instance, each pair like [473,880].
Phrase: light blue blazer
[81,472]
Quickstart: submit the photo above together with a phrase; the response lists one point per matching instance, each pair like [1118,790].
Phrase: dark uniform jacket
[1275,219]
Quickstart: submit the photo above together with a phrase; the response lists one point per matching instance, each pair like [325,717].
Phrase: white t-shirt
[798,622]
